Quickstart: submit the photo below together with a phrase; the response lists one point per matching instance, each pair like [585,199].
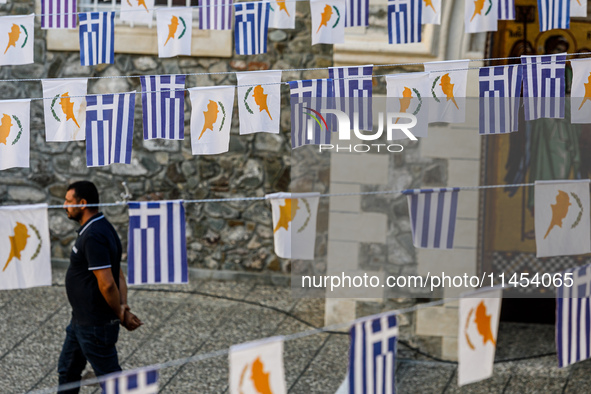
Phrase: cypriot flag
[174,31]
[562,222]
[328,21]
[211,119]
[294,224]
[477,337]
[137,11]
[578,8]
[257,367]
[17,39]
[432,12]
[448,90]
[259,101]
[409,93]
[65,109]
[580,108]
[25,256]
[481,15]
[15,134]
[282,14]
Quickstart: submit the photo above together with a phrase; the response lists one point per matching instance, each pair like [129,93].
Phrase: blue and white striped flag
[372,356]
[506,10]
[250,27]
[433,216]
[573,316]
[109,128]
[58,14]
[404,21]
[543,86]
[353,91]
[163,104]
[136,382]
[215,14]
[97,38]
[306,99]
[554,14]
[500,93]
[157,250]
[357,13]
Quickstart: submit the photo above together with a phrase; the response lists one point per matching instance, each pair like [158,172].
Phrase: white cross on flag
[543,86]
[409,93]
[251,26]
[448,90]
[404,21]
[353,93]
[259,101]
[97,38]
[174,31]
[15,133]
[65,112]
[144,381]
[163,104]
[17,39]
[500,96]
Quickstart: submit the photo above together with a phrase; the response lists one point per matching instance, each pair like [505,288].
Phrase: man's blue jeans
[95,344]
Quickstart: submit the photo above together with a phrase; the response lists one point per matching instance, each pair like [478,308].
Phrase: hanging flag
[433,216]
[543,86]
[25,251]
[282,14]
[372,356]
[448,89]
[250,27]
[481,15]
[211,118]
[294,224]
[259,101]
[404,21]
[477,337]
[409,93]
[562,222]
[174,31]
[17,39]
[144,381]
[357,13]
[97,38]
[58,14]
[500,95]
[163,105]
[157,250]
[432,12]
[573,313]
[507,10]
[109,128]
[578,8]
[353,91]
[580,91]
[15,133]
[328,21]
[554,14]
[140,11]
[215,14]
[65,112]
[304,97]
[257,367]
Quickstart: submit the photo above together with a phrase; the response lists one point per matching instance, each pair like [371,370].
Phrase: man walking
[96,290]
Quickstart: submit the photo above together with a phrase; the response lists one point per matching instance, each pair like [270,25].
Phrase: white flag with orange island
[259,101]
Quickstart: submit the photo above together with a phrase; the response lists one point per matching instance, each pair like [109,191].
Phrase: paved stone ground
[182,321]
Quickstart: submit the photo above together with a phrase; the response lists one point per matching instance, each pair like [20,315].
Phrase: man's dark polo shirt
[97,246]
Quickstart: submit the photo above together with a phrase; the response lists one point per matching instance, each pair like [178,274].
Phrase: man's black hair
[85,190]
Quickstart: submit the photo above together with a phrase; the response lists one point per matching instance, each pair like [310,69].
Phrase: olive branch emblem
[308,218]
[52,105]
[489,7]
[184,28]
[40,242]
[420,101]
[223,113]
[245,98]
[578,200]
[26,36]
[433,89]
[20,131]
[338,16]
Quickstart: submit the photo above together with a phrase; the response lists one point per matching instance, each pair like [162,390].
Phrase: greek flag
[58,14]
[157,251]
[250,28]
[433,216]
[543,86]
[163,103]
[109,128]
[308,126]
[573,316]
[139,382]
[404,21]
[500,91]
[215,14]
[506,10]
[352,90]
[357,13]
[372,356]
[97,38]
[554,14]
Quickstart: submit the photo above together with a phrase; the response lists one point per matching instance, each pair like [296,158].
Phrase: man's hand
[130,321]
